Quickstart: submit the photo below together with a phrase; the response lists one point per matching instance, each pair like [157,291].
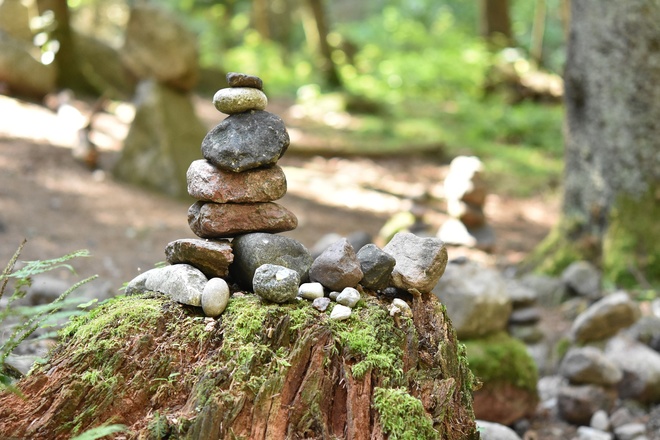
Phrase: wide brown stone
[215,220]
[211,184]
[212,258]
[503,403]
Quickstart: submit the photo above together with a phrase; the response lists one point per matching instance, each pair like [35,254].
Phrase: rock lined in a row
[238,180]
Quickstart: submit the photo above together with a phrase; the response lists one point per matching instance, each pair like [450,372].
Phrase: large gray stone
[605,318]
[246,140]
[583,279]
[577,404]
[476,299]
[420,261]
[640,366]
[211,257]
[276,283]
[208,183]
[160,144]
[157,45]
[376,266]
[588,365]
[21,71]
[495,431]
[337,267]
[254,250]
[224,220]
[181,282]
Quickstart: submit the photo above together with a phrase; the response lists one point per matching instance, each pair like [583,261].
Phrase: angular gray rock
[256,249]
[376,266]
[212,257]
[600,420]
[181,282]
[476,299]
[525,315]
[321,304]
[549,291]
[337,267]
[215,297]
[583,279]
[239,99]
[640,366]
[246,140]
[604,318]
[157,45]
[420,261]
[158,147]
[276,283]
[208,183]
[348,297]
[224,220]
[589,365]
[577,404]
[630,431]
[587,433]
[495,431]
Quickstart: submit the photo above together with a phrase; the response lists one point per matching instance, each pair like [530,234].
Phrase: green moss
[370,337]
[402,416]
[630,246]
[501,358]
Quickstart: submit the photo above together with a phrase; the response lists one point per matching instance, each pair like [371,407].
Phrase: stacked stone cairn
[466,192]
[237,220]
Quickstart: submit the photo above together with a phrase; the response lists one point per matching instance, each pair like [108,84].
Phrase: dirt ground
[60,206]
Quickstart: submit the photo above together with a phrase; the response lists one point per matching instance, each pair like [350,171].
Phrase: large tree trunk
[261,371]
[326,63]
[495,23]
[611,201]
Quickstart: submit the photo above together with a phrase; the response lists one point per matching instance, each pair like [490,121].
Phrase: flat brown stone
[209,183]
[212,258]
[216,220]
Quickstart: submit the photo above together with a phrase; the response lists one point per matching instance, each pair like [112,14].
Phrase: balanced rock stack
[466,193]
[238,180]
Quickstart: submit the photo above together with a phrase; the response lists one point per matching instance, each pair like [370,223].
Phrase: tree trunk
[69,72]
[495,23]
[327,64]
[611,201]
[261,371]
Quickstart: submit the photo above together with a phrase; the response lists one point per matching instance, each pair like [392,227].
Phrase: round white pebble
[310,291]
[403,307]
[239,99]
[348,297]
[340,312]
[215,297]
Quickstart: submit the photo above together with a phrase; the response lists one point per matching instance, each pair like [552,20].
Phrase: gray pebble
[276,283]
[321,304]
[310,291]
[348,297]
[340,312]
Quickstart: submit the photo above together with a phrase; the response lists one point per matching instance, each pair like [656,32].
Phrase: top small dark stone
[235,79]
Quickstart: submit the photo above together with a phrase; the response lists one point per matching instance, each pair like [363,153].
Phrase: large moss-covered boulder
[508,375]
[262,370]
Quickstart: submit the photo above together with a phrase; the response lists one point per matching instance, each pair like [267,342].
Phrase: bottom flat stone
[224,220]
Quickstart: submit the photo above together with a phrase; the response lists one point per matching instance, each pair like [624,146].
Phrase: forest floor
[60,206]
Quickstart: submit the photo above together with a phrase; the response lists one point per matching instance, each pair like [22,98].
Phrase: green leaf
[99,432]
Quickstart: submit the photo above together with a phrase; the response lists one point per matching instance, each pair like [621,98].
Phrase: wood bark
[173,376]
[327,64]
[495,22]
[612,159]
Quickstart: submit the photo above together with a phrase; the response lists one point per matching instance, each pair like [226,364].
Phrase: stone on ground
[181,282]
[208,183]
[605,318]
[246,140]
[225,220]
[495,431]
[311,291]
[376,266]
[348,297]
[211,257]
[256,249]
[340,312]
[321,304]
[640,366]
[215,297]
[589,365]
[275,283]
[337,267]
[578,403]
[420,261]
[583,279]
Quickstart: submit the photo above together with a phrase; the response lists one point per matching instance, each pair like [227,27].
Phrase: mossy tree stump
[261,371]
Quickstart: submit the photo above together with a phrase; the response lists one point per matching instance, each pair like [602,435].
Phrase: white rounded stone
[403,307]
[215,297]
[239,99]
[340,312]
[348,297]
[310,291]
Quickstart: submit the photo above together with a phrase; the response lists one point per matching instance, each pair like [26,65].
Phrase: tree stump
[260,371]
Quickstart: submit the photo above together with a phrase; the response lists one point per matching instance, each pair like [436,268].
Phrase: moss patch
[402,416]
[501,358]
[630,246]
